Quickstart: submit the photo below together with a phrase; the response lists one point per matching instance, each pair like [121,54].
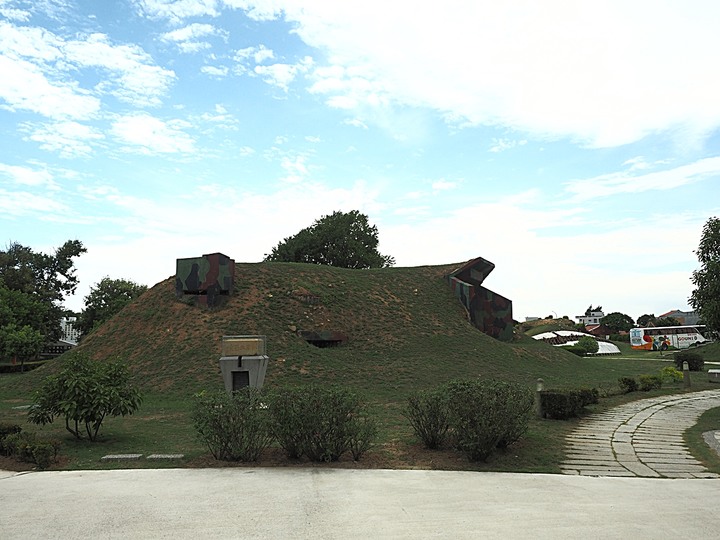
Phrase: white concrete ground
[347,504]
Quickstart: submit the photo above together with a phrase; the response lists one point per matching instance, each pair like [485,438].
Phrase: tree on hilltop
[342,239]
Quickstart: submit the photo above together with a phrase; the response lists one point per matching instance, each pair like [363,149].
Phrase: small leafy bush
[8,429]
[85,392]
[670,374]
[321,423]
[620,337]
[650,382]
[288,420]
[25,446]
[518,402]
[588,396]
[588,344]
[428,413]
[627,385]
[43,454]
[363,435]
[561,404]
[485,415]
[234,427]
[695,361]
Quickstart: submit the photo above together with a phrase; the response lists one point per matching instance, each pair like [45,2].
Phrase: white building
[69,331]
[590,317]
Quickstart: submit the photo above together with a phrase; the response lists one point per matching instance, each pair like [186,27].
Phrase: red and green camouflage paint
[210,279]
[489,311]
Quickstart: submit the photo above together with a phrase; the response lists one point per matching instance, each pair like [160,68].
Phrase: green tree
[705,299]
[618,322]
[107,298]
[588,344]
[45,279]
[20,343]
[85,392]
[341,239]
[644,320]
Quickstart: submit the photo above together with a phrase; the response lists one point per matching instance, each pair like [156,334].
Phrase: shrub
[19,445]
[575,349]
[588,344]
[485,415]
[561,404]
[620,337]
[518,403]
[8,429]
[588,396]
[428,414]
[363,435]
[321,423]
[476,431]
[25,446]
[695,361]
[650,382]
[671,374]
[234,427]
[43,454]
[329,414]
[85,392]
[627,385]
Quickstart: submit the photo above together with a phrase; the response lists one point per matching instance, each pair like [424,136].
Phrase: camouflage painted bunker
[488,311]
[207,280]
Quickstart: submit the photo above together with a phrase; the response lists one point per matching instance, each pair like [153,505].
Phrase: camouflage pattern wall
[208,280]
[488,311]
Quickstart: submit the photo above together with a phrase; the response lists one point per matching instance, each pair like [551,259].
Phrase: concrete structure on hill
[487,310]
[207,280]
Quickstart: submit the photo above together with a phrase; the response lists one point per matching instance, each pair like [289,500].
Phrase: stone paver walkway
[641,438]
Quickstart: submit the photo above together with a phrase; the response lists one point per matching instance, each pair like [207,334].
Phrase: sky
[576,145]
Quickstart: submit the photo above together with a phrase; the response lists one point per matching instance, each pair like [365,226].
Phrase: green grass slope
[406,331]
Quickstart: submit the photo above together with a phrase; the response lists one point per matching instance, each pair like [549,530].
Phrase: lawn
[406,331]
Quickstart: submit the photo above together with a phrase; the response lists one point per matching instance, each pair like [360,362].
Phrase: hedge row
[564,404]
[25,446]
[474,416]
[321,423]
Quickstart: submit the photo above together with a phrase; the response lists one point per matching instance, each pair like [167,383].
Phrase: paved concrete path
[642,438]
[349,504]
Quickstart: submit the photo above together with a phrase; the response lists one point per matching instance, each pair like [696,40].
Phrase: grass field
[406,332]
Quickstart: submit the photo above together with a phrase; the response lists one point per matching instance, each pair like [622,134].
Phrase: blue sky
[573,144]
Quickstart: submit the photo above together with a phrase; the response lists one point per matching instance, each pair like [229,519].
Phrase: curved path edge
[642,438]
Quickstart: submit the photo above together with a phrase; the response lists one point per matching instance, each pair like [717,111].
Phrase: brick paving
[643,438]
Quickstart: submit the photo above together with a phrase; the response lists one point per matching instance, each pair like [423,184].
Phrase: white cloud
[23,203]
[188,39]
[605,77]
[259,54]
[215,71]
[280,75]
[26,176]
[178,10]
[69,139]
[42,73]
[500,145]
[24,86]
[624,182]
[150,135]
[134,77]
